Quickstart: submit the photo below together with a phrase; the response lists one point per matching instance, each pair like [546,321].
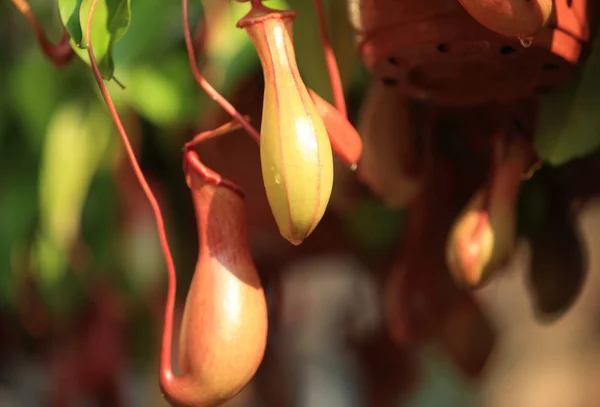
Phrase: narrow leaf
[76,141]
[569,123]
[69,14]
[111,20]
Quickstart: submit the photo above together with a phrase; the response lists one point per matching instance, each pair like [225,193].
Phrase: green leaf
[76,142]
[17,217]
[69,14]
[569,123]
[33,92]
[532,208]
[99,219]
[161,93]
[149,35]
[18,210]
[111,20]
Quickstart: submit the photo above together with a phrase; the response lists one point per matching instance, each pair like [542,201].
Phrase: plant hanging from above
[224,328]
[296,129]
[296,156]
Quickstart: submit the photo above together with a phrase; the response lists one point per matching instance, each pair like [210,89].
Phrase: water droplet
[353,167]
[526,42]
[278,179]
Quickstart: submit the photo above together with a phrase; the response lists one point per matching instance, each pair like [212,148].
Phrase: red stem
[165,361]
[219,131]
[192,160]
[332,67]
[496,160]
[60,54]
[216,96]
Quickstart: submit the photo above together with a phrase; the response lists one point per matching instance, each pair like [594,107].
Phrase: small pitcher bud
[296,155]
[483,236]
[224,325]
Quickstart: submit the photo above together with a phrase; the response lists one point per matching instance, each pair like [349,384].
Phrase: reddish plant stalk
[219,131]
[60,54]
[332,66]
[170,301]
[212,92]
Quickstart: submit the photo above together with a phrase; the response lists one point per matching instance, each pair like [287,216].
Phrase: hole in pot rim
[507,49]
[389,81]
[443,48]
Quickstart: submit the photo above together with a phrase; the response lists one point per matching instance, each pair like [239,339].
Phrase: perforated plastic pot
[435,50]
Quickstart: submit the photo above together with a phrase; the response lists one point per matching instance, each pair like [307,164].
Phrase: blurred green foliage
[569,123]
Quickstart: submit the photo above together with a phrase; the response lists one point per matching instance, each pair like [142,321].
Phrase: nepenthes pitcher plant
[224,326]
